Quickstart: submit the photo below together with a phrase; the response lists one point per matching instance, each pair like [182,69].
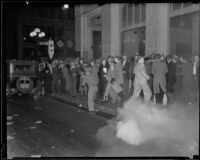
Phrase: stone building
[145,28]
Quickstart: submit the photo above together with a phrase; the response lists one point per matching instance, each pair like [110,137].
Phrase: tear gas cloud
[150,130]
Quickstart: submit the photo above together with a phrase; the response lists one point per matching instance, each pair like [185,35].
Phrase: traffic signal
[51,48]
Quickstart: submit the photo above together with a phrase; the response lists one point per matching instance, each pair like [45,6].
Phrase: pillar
[195,34]
[115,30]
[157,28]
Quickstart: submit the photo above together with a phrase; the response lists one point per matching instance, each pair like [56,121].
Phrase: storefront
[162,28]
[142,28]
[133,29]
[184,29]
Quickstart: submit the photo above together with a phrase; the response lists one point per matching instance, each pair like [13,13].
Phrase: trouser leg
[156,88]
[147,92]
[170,97]
[163,85]
[92,91]
[74,83]
[113,94]
[107,90]
[126,87]
[137,90]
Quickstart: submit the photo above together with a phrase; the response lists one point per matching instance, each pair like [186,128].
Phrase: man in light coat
[92,81]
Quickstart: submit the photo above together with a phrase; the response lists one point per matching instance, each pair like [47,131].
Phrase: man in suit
[159,69]
[92,82]
[126,75]
[195,76]
[170,77]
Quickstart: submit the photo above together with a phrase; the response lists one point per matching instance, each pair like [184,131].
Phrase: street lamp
[66,6]
[36,34]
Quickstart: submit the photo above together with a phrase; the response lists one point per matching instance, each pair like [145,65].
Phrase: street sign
[44,43]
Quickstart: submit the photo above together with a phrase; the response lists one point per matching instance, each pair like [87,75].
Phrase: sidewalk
[107,108]
[81,102]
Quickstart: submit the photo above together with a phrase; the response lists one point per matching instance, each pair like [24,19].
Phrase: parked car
[21,76]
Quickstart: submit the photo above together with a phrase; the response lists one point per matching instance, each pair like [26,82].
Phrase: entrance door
[96,44]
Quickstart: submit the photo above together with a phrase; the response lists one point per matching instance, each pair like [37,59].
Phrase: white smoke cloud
[146,129]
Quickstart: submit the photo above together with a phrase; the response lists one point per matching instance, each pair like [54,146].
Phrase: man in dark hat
[159,69]
[170,77]
[126,75]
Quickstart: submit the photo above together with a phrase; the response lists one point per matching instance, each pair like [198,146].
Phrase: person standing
[132,75]
[187,80]
[126,76]
[118,71]
[103,71]
[66,77]
[140,81]
[159,70]
[47,81]
[195,76]
[92,82]
[56,78]
[94,71]
[74,73]
[170,77]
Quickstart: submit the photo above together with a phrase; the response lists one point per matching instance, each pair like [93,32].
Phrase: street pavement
[50,128]
[57,126]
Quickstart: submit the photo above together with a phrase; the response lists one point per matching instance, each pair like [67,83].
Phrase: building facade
[146,28]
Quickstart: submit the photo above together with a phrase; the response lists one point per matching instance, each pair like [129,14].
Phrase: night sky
[13,9]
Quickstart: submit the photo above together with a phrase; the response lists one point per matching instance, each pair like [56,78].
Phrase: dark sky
[10,12]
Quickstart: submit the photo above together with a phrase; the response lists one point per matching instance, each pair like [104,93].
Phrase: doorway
[96,44]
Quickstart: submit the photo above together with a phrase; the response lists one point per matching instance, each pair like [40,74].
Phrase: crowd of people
[121,77]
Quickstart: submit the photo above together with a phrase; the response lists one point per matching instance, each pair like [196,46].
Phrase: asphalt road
[50,128]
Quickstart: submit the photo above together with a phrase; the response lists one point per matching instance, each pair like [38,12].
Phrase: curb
[100,108]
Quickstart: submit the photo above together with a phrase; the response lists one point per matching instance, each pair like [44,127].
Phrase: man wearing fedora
[126,75]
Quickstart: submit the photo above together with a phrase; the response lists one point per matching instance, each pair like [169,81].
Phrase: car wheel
[24,85]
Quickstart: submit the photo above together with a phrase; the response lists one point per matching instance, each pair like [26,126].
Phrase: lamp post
[36,35]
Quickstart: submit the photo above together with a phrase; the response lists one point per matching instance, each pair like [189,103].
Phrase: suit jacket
[159,69]
[119,73]
[171,74]
[101,71]
[186,72]
[126,69]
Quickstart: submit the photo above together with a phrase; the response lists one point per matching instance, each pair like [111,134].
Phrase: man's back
[159,69]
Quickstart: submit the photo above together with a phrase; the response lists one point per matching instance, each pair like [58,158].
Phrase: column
[195,34]
[115,30]
[83,36]
[157,28]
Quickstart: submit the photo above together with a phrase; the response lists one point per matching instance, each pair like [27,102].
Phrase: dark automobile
[21,76]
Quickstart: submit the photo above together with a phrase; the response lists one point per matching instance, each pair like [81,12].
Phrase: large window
[130,14]
[133,41]
[184,34]
[178,6]
[133,14]
[124,16]
[139,13]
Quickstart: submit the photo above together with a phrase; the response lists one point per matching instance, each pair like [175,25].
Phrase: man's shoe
[92,112]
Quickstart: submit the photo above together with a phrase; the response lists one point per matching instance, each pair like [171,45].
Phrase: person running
[140,81]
